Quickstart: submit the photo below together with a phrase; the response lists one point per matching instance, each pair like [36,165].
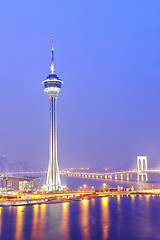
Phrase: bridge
[127,175]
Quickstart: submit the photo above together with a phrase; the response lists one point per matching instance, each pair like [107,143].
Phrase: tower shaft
[53,178]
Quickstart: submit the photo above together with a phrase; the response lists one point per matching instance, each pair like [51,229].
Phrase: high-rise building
[3,164]
[52,86]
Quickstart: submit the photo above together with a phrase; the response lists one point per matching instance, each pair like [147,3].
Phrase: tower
[52,86]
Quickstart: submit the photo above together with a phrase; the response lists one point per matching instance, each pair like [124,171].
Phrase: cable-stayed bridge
[127,175]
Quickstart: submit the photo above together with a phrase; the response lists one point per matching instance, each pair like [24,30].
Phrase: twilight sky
[108,55]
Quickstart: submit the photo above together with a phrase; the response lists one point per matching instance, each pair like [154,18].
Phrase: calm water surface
[136,217]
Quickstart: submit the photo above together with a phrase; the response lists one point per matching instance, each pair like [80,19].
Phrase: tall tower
[52,85]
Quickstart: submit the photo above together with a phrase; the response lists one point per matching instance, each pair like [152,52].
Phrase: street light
[84,186]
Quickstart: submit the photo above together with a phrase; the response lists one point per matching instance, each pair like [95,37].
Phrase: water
[135,217]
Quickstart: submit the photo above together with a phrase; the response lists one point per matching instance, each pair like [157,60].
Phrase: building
[9,183]
[3,164]
[52,86]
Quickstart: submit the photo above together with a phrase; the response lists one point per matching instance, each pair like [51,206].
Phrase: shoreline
[76,196]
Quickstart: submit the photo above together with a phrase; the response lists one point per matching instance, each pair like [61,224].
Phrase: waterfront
[132,217]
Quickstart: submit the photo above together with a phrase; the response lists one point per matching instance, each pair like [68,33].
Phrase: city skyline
[110,101]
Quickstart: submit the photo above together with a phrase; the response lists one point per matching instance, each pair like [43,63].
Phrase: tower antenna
[52,59]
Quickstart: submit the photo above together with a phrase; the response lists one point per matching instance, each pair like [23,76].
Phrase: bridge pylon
[142,168]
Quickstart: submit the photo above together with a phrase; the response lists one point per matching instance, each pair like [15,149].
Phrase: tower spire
[52,59]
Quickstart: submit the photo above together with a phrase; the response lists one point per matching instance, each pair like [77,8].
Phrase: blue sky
[108,55]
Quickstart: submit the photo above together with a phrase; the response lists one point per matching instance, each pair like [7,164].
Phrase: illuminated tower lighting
[52,86]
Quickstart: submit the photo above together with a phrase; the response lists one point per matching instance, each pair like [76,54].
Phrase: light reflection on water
[35,224]
[119,217]
[0,221]
[19,222]
[132,217]
[84,218]
[147,202]
[105,217]
[65,221]
[42,220]
[132,199]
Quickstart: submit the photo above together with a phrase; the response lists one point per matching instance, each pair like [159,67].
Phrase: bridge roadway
[126,175]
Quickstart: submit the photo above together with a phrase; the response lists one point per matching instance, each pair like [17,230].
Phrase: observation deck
[52,84]
[52,81]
